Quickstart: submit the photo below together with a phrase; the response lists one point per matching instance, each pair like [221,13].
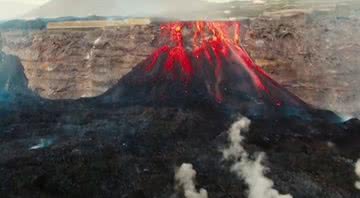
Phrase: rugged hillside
[73,64]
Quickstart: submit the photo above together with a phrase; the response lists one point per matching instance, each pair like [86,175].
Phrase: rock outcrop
[12,77]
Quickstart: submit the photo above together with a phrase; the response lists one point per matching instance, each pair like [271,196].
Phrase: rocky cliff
[313,54]
[74,64]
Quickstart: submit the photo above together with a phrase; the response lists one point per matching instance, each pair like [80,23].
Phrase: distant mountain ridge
[41,23]
[61,8]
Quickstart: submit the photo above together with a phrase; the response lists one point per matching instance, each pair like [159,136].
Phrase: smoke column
[185,180]
[357,171]
[252,172]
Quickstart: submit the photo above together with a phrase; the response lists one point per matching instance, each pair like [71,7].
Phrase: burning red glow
[207,37]
[212,41]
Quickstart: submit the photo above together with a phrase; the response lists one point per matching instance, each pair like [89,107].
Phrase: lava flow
[211,45]
[209,39]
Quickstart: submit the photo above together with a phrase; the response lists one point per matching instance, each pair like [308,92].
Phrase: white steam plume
[357,171]
[185,177]
[252,172]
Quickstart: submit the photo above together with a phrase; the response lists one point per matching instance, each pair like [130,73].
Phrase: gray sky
[27,1]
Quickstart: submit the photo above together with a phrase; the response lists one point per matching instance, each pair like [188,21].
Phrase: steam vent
[162,107]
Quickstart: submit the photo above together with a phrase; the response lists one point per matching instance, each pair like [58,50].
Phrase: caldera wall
[69,64]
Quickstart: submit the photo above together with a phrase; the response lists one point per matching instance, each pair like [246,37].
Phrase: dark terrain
[129,146]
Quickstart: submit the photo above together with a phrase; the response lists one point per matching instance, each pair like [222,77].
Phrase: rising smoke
[251,171]
[185,181]
[357,171]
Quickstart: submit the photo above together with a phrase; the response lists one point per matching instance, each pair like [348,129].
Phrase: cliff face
[74,64]
[313,55]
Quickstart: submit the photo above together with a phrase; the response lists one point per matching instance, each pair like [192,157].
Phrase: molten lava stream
[213,42]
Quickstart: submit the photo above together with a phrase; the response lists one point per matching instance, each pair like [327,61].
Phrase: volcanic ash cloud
[185,181]
[251,171]
[357,171]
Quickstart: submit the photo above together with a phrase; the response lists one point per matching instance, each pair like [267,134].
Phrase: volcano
[213,69]
[175,107]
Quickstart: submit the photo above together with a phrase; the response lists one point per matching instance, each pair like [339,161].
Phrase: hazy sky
[14,8]
[37,2]
[10,9]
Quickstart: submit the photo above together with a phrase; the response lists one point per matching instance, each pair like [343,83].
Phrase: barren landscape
[260,105]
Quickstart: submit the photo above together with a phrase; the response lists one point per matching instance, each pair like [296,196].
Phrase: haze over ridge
[59,8]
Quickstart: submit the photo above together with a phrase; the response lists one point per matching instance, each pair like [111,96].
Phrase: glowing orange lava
[212,41]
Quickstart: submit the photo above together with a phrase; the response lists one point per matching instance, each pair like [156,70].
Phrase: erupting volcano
[184,106]
[204,63]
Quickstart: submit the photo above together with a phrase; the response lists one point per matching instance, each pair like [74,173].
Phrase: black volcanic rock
[128,151]
[14,89]
[12,77]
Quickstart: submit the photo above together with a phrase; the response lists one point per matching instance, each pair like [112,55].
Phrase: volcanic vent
[203,63]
